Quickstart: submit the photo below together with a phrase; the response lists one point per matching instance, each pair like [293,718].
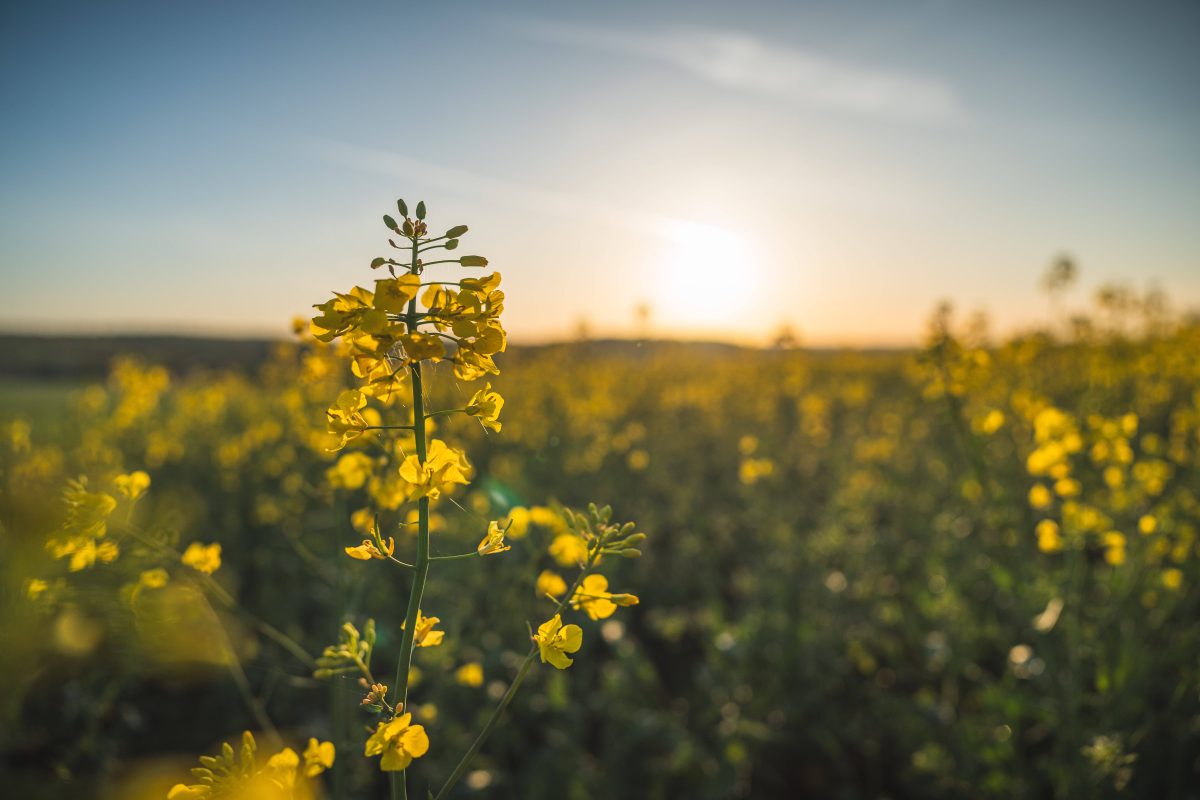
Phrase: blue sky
[836,166]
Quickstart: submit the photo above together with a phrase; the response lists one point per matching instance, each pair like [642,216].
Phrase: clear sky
[835,165]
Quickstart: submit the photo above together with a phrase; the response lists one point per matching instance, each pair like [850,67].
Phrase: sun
[707,276]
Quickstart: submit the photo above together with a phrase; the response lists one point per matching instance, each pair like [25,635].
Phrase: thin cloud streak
[531,199]
[745,62]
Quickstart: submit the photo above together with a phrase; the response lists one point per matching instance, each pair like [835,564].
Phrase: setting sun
[707,276]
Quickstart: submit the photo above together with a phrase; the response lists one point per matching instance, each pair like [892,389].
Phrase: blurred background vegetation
[851,589]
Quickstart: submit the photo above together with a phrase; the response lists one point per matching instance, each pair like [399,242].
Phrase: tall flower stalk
[389,334]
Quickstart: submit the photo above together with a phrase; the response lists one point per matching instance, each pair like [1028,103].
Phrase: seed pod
[421,210]
[391,223]
[400,204]
[473,261]
[456,232]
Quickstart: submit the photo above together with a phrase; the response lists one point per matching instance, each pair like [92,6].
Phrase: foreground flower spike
[399,742]
[555,640]
[390,336]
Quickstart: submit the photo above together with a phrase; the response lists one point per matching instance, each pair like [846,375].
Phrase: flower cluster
[283,776]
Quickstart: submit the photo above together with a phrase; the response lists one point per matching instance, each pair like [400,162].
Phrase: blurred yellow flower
[1048,536]
[550,584]
[204,558]
[132,485]
[1039,496]
[470,674]
[318,757]
[568,549]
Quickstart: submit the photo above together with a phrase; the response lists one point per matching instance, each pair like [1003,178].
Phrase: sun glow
[707,277]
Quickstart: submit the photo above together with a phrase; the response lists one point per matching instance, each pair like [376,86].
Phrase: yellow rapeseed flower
[425,635]
[399,742]
[345,417]
[443,467]
[204,558]
[1048,536]
[568,549]
[485,406]
[555,640]
[1039,496]
[132,485]
[493,540]
[470,674]
[1172,578]
[550,584]
[1114,548]
[318,757]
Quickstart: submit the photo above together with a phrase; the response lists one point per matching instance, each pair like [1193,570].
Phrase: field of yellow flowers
[965,571]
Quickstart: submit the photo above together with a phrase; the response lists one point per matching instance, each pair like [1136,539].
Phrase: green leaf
[391,223]
[400,204]
[473,261]
[456,231]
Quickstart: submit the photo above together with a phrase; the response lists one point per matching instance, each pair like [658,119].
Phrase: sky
[668,169]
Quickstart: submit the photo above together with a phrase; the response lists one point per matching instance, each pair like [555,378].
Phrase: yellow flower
[1049,538]
[425,635]
[350,472]
[568,549]
[518,522]
[1172,578]
[550,584]
[204,558]
[133,485]
[282,768]
[1114,548]
[368,550]
[555,640]
[1039,496]
[594,598]
[392,294]
[345,417]
[1147,525]
[443,467]
[493,541]
[486,405]
[154,578]
[318,757]
[399,742]
[34,588]
[470,674]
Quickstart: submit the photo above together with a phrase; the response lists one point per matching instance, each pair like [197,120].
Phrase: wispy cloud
[527,198]
[745,62]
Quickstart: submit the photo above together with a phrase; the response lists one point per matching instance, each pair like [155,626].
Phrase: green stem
[463,763]
[473,554]
[421,568]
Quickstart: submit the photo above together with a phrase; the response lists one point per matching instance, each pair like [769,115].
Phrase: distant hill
[89,357]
